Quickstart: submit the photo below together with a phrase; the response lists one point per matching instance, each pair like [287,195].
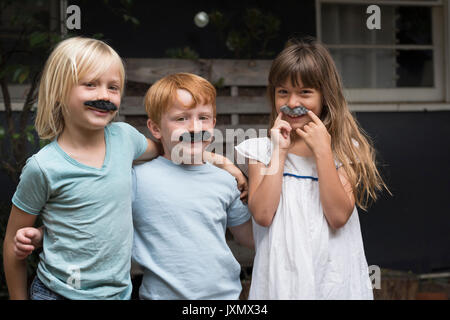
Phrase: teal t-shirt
[86,212]
[180,215]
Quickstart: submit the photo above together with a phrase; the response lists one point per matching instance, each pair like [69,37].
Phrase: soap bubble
[201,19]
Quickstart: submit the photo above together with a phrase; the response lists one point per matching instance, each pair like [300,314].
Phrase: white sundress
[299,256]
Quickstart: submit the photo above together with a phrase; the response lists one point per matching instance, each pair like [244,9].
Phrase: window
[401,62]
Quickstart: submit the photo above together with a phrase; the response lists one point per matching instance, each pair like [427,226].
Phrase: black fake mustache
[102,105]
[195,136]
[297,111]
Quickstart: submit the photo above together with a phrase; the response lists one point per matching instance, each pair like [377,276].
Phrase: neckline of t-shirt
[183,166]
[82,165]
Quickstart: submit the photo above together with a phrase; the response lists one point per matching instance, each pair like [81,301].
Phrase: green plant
[34,32]
[182,53]
[21,60]
[247,35]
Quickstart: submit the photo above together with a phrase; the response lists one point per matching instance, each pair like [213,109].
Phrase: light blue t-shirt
[86,212]
[180,215]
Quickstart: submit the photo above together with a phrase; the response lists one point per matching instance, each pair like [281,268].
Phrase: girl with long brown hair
[305,181]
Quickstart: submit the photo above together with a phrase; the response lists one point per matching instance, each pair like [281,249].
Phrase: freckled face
[179,119]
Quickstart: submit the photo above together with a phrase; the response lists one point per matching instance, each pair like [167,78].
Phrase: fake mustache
[297,111]
[101,105]
[195,136]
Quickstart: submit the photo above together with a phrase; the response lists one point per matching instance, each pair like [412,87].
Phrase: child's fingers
[22,254]
[314,118]
[300,132]
[24,247]
[22,237]
[280,114]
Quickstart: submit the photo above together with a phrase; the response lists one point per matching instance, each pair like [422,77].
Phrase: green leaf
[2,132]
[17,73]
[97,35]
[24,75]
[37,38]
[135,21]
[30,137]
[16,136]
[43,143]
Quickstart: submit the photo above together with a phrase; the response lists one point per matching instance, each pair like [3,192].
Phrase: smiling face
[179,119]
[292,96]
[106,86]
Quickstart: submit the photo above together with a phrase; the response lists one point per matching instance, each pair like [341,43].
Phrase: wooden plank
[231,72]
[225,105]
[242,105]
[151,70]
[241,72]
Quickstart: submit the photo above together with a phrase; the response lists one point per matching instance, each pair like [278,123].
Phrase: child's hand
[26,240]
[280,133]
[315,135]
[241,180]
[242,186]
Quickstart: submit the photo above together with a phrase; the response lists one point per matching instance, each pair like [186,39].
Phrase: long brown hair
[310,62]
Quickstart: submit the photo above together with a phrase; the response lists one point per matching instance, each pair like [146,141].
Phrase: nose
[293,101]
[195,125]
[102,93]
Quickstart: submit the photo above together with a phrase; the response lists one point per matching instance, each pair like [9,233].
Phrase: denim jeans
[38,291]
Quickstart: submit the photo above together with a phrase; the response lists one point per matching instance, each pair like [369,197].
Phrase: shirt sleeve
[259,149]
[138,140]
[32,193]
[237,212]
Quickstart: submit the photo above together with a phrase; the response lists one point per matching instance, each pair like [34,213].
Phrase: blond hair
[162,93]
[311,63]
[71,60]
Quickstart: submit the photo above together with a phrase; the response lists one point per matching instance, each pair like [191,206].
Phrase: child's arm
[225,164]
[243,234]
[265,182]
[336,194]
[152,151]
[15,268]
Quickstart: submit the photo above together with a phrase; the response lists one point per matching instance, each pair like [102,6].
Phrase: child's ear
[155,130]
[214,122]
